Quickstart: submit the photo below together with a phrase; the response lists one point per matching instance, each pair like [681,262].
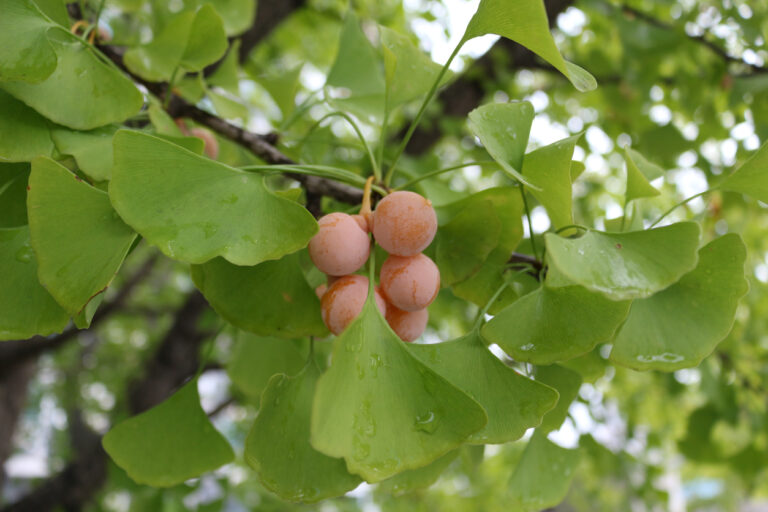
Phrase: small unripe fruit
[404,223]
[408,325]
[344,300]
[340,247]
[211,145]
[411,282]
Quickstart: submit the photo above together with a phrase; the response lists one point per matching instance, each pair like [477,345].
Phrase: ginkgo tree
[99,166]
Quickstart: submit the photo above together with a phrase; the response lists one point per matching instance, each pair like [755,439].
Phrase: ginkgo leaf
[503,128]
[512,402]
[464,243]
[170,443]
[626,265]
[13,194]
[283,88]
[421,478]
[751,178]
[270,299]
[255,359]
[78,239]
[548,169]
[24,134]
[637,184]
[278,448]
[26,308]
[195,209]
[567,383]
[25,52]
[528,490]
[83,92]
[554,324]
[92,149]
[681,325]
[381,409]
[525,22]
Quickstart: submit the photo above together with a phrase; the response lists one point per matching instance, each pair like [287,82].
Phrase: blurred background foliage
[685,83]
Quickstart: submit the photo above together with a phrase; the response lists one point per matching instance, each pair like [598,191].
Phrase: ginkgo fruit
[409,282]
[344,300]
[340,247]
[210,144]
[408,325]
[404,223]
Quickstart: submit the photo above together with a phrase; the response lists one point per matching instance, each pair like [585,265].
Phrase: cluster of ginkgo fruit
[403,224]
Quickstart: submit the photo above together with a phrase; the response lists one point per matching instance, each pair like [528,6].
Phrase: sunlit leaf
[503,128]
[170,443]
[383,410]
[626,265]
[554,324]
[751,178]
[680,326]
[637,183]
[78,239]
[26,308]
[278,446]
[195,209]
[269,299]
[512,402]
[525,22]
[548,168]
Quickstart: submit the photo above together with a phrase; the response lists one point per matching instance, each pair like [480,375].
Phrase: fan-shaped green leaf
[525,22]
[421,478]
[503,128]
[78,239]
[24,134]
[26,308]
[554,324]
[637,183]
[464,243]
[382,409]
[548,168]
[269,299]
[191,40]
[528,489]
[92,150]
[751,178]
[278,446]
[648,169]
[255,359]
[283,88]
[170,443]
[626,265]
[25,53]
[512,402]
[567,383]
[680,326]
[195,209]
[83,92]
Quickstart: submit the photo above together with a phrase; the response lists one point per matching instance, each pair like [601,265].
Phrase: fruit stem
[481,314]
[365,207]
[530,223]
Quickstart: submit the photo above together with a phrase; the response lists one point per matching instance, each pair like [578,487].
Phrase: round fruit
[404,223]
[344,300]
[408,325]
[340,247]
[411,282]
[362,221]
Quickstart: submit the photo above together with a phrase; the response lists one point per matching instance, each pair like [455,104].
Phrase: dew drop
[426,422]
[24,254]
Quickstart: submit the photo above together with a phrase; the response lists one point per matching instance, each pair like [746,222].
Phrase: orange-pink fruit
[408,325]
[411,282]
[209,140]
[404,223]
[362,222]
[344,300]
[340,247]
